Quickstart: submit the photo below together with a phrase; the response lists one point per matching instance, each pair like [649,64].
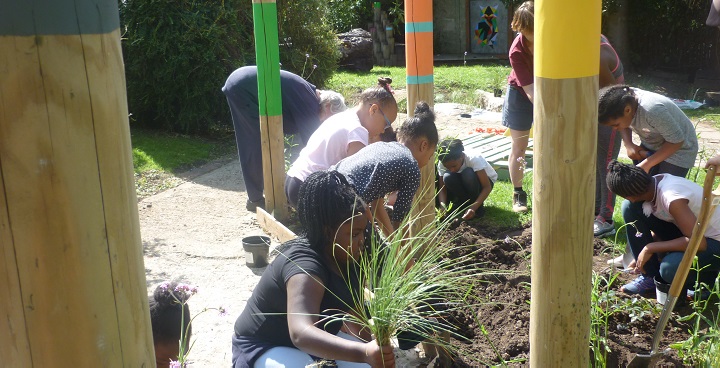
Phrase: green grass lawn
[174,153]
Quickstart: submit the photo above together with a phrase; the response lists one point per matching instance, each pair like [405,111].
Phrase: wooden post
[566,99]
[419,56]
[267,51]
[72,280]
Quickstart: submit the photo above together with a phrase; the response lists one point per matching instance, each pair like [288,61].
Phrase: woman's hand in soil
[379,356]
[642,258]
[469,214]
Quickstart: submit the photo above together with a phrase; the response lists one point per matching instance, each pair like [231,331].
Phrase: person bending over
[385,167]
[343,135]
[287,320]
[662,225]
[465,179]
[303,109]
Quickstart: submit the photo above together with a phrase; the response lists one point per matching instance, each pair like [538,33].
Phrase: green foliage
[345,15]
[178,55]
[304,31]
[702,347]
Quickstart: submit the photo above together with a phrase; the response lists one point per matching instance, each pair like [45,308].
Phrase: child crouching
[466,179]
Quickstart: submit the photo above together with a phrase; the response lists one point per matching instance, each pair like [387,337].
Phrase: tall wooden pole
[419,59]
[566,98]
[72,280]
[267,51]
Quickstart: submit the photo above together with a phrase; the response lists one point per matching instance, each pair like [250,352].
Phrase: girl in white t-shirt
[344,134]
[466,179]
[662,226]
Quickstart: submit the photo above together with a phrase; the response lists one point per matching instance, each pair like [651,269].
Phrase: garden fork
[710,200]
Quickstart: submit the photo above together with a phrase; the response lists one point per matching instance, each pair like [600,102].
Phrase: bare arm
[685,220]
[353,147]
[634,151]
[530,92]
[303,306]
[442,194]
[665,151]
[607,58]
[381,216]
[484,193]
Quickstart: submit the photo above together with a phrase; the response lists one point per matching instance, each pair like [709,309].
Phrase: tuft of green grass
[452,83]
[174,152]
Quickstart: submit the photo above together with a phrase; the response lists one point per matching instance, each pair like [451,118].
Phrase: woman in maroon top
[517,113]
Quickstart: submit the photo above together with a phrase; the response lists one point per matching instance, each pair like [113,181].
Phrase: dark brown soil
[504,307]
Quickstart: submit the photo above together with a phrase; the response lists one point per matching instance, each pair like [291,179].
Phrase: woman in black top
[286,320]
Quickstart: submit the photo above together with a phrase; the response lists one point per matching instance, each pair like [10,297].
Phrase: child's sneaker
[642,285]
[602,228]
[519,201]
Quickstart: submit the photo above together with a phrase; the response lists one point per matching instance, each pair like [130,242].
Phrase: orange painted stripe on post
[419,62]
[418,11]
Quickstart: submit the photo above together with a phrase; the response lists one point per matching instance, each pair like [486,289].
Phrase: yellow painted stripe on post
[566,34]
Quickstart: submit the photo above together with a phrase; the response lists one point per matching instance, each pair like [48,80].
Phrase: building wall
[456,20]
[450,33]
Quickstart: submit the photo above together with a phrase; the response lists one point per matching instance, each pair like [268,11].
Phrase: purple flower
[507,240]
[307,56]
[175,364]
[164,286]
[638,234]
[465,53]
[222,311]
[314,66]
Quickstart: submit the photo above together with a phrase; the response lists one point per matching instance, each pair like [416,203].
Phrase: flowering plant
[181,293]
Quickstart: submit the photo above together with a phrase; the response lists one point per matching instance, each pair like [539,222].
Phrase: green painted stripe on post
[58,17]
[267,53]
[420,79]
[417,27]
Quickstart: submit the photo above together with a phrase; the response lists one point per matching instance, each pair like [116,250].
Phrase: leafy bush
[304,30]
[345,15]
[178,54]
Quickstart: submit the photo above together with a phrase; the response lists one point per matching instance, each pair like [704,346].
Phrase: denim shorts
[517,111]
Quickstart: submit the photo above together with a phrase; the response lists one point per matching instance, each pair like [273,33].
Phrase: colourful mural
[487,28]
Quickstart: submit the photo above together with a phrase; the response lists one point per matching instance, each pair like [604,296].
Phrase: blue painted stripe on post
[416,27]
[420,79]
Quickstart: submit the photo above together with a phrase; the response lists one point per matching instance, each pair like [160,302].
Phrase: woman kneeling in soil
[286,322]
[385,167]
[466,179]
[662,225]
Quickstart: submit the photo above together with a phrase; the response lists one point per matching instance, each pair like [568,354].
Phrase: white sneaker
[602,228]
[617,261]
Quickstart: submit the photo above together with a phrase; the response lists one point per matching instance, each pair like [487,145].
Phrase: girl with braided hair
[662,222]
[291,319]
[344,134]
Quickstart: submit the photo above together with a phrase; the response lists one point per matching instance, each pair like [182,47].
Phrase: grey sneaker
[642,285]
[519,202]
[602,228]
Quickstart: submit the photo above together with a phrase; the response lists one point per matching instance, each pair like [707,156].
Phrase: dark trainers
[602,228]
[520,202]
[642,285]
[253,205]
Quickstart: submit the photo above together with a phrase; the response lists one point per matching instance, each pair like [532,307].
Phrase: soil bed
[503,310]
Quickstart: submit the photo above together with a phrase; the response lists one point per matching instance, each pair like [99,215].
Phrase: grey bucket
[256,249]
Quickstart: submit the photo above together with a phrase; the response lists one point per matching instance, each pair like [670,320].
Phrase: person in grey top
[668,142]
